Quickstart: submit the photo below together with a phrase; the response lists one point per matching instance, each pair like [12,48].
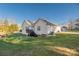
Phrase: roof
[30,22]
[48,23]
[77,24]
[33,23]
[27,22]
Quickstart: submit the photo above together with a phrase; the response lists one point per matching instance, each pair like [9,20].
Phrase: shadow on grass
[63,50]
[21,45]
[30,49]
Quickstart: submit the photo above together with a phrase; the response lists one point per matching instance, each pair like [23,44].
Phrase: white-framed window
[38,28]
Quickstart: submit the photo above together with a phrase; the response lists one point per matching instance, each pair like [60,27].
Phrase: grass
[22,45]
[74,30]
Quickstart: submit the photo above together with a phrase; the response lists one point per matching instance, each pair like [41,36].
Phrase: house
[73,24]
[76,24]
[40,26]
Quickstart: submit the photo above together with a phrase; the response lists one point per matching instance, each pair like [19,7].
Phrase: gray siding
[43,27]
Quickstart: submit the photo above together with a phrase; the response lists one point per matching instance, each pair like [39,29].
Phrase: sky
[56,13]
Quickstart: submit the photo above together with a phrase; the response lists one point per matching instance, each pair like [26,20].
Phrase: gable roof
[33,23]
[30,22]
[48,23]
[27,22]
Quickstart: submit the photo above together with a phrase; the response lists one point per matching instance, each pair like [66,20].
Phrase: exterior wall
[43,27]
[24,28]
[51,28]
[76,26]
[58,29]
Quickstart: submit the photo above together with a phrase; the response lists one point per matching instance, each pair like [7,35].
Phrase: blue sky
[58,13]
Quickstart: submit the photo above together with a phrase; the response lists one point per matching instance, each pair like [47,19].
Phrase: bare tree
[70,25]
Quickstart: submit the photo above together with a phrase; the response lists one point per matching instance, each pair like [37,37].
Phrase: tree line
[8,28]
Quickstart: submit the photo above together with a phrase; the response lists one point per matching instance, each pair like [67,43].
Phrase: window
[38,28]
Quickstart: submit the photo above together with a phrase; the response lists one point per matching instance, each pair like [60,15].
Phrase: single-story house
[40,26]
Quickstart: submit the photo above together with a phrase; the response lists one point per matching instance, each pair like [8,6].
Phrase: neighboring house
[73,25]
[64,28]
[76,24]
[40,26]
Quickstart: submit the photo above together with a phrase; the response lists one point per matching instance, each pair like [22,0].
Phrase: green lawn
[21,45]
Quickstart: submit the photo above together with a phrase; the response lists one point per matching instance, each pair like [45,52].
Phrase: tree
[13,28]
[70,25]
[6,27]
